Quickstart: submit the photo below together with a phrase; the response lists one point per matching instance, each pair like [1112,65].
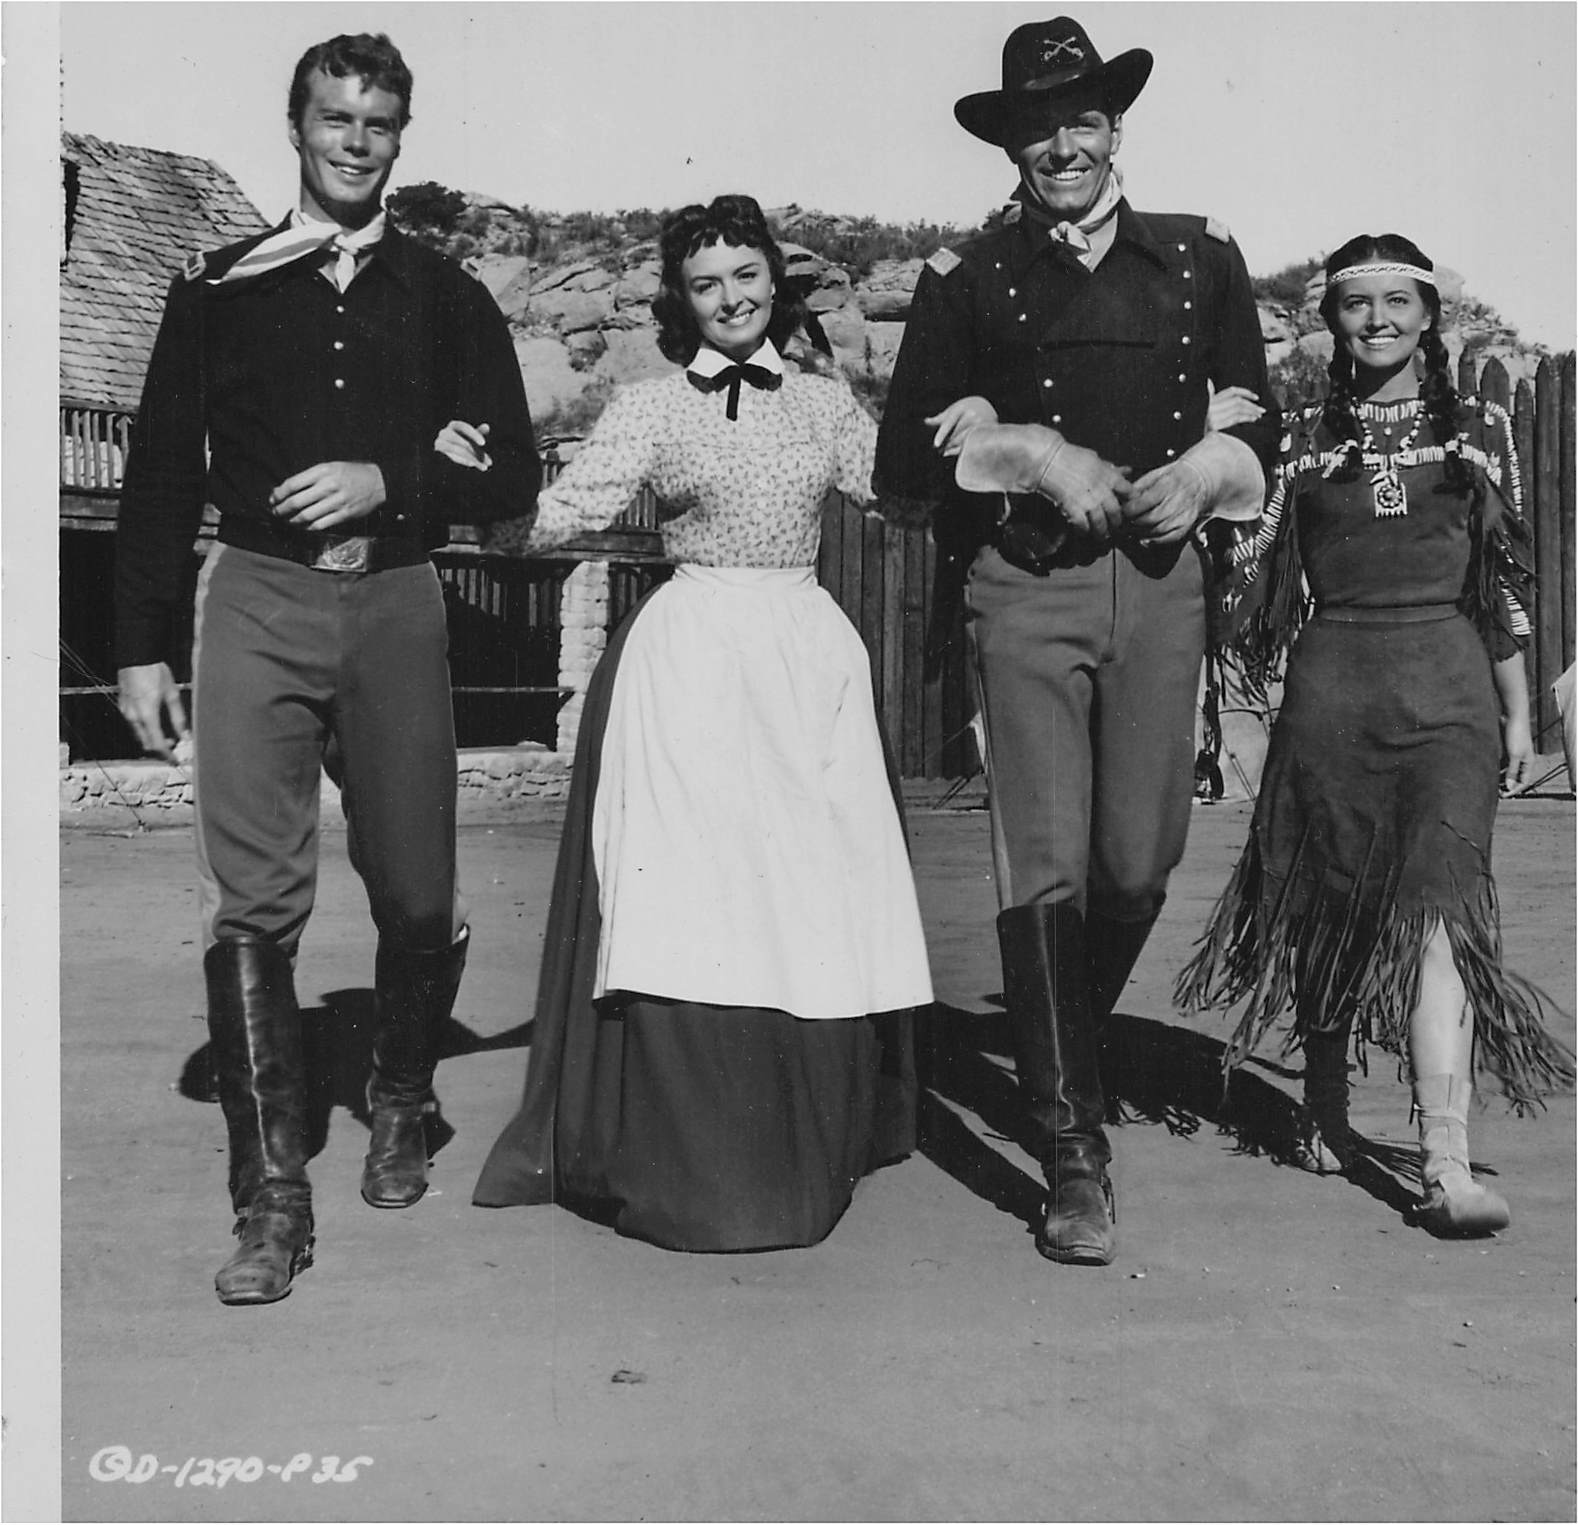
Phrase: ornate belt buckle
[344,553]
[1032,535]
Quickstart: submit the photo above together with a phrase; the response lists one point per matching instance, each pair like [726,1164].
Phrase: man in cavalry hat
[1050,399]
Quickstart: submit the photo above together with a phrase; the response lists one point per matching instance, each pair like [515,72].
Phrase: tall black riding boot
[254,1029]
[414,993]
[1112,949]
[1044,984]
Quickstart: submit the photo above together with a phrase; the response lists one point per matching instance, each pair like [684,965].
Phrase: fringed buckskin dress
[1379,791]
[722,1037]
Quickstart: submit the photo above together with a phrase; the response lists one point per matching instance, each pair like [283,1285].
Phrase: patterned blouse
[1325,541]
[746,493]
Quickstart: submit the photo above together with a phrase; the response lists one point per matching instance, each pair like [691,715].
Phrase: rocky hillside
[577,291]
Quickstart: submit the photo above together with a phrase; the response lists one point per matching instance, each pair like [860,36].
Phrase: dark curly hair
[733,220]
[1440,397]
[372,58]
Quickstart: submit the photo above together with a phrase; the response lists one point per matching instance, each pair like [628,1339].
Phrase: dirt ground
[1268,1345]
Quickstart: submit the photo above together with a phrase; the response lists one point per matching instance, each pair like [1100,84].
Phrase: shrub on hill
[1285,289]
[429,212]
[858,243]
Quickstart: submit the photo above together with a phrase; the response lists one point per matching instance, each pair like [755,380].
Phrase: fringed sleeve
[1263,602]
[1499,589]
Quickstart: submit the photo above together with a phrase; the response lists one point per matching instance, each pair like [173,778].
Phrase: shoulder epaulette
[944,261]
[1217,230]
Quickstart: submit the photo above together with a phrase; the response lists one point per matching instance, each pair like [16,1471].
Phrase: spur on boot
[1453,1204]
[276,1243]
[1079,1223]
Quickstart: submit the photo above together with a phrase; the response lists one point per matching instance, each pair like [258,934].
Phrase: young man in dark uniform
[1082,340]
[298,382]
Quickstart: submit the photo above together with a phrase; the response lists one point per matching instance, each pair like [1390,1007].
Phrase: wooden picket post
[1566,516]
[1494,385]
[1542,477]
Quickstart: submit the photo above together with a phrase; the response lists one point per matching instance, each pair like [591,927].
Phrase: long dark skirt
[696,1127]
[1372,827]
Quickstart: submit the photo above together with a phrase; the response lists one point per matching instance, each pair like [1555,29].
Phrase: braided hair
[738,222]
[1439,396]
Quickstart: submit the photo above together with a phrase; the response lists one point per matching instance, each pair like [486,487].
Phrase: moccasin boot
[1325,1145]
[1453,1203]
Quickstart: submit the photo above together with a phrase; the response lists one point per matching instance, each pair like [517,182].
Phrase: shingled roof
[134,215]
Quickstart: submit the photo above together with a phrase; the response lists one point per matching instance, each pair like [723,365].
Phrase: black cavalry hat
[1046,60]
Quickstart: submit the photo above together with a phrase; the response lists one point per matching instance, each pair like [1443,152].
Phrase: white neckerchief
[348,248]
[1092,235]
[299,237]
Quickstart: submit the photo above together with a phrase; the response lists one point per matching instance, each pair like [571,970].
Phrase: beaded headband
[1413,272]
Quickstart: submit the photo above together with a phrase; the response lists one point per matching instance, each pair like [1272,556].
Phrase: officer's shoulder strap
[943,261]
[1172,225]
[214,262]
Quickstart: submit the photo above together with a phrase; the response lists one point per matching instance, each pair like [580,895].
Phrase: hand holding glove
[1088,491]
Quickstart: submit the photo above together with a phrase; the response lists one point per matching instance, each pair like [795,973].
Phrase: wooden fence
[504,610]
[1542,426]
[882,577]
[93,445]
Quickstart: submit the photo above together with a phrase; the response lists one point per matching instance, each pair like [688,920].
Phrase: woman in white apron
[721,1045]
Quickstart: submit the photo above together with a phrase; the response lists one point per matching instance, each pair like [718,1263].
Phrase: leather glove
[1088,491]
[1218,478]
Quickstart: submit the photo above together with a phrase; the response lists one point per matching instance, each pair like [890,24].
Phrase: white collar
[707,362]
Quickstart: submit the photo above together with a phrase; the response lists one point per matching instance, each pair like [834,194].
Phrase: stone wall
[159,794]
[583,637]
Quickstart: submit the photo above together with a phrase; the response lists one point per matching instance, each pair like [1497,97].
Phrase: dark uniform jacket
[1115,359]
[251,383]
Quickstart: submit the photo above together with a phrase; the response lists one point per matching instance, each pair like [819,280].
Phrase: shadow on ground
[337,1051]
[1154,1073]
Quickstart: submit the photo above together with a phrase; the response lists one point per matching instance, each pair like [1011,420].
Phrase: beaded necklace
[1386,485]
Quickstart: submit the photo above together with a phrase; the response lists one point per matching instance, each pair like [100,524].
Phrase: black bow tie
[731,376]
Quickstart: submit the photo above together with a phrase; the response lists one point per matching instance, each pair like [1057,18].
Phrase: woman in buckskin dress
[1391,569]
[721,1046]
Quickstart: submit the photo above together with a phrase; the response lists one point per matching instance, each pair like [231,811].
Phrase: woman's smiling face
[1381,320]
[730,290]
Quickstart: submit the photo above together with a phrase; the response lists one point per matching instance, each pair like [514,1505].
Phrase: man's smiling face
[1066,165]
[348,139]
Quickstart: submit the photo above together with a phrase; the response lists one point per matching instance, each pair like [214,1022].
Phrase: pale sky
[1296,124]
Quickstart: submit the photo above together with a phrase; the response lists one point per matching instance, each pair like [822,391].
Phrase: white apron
[747,846]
